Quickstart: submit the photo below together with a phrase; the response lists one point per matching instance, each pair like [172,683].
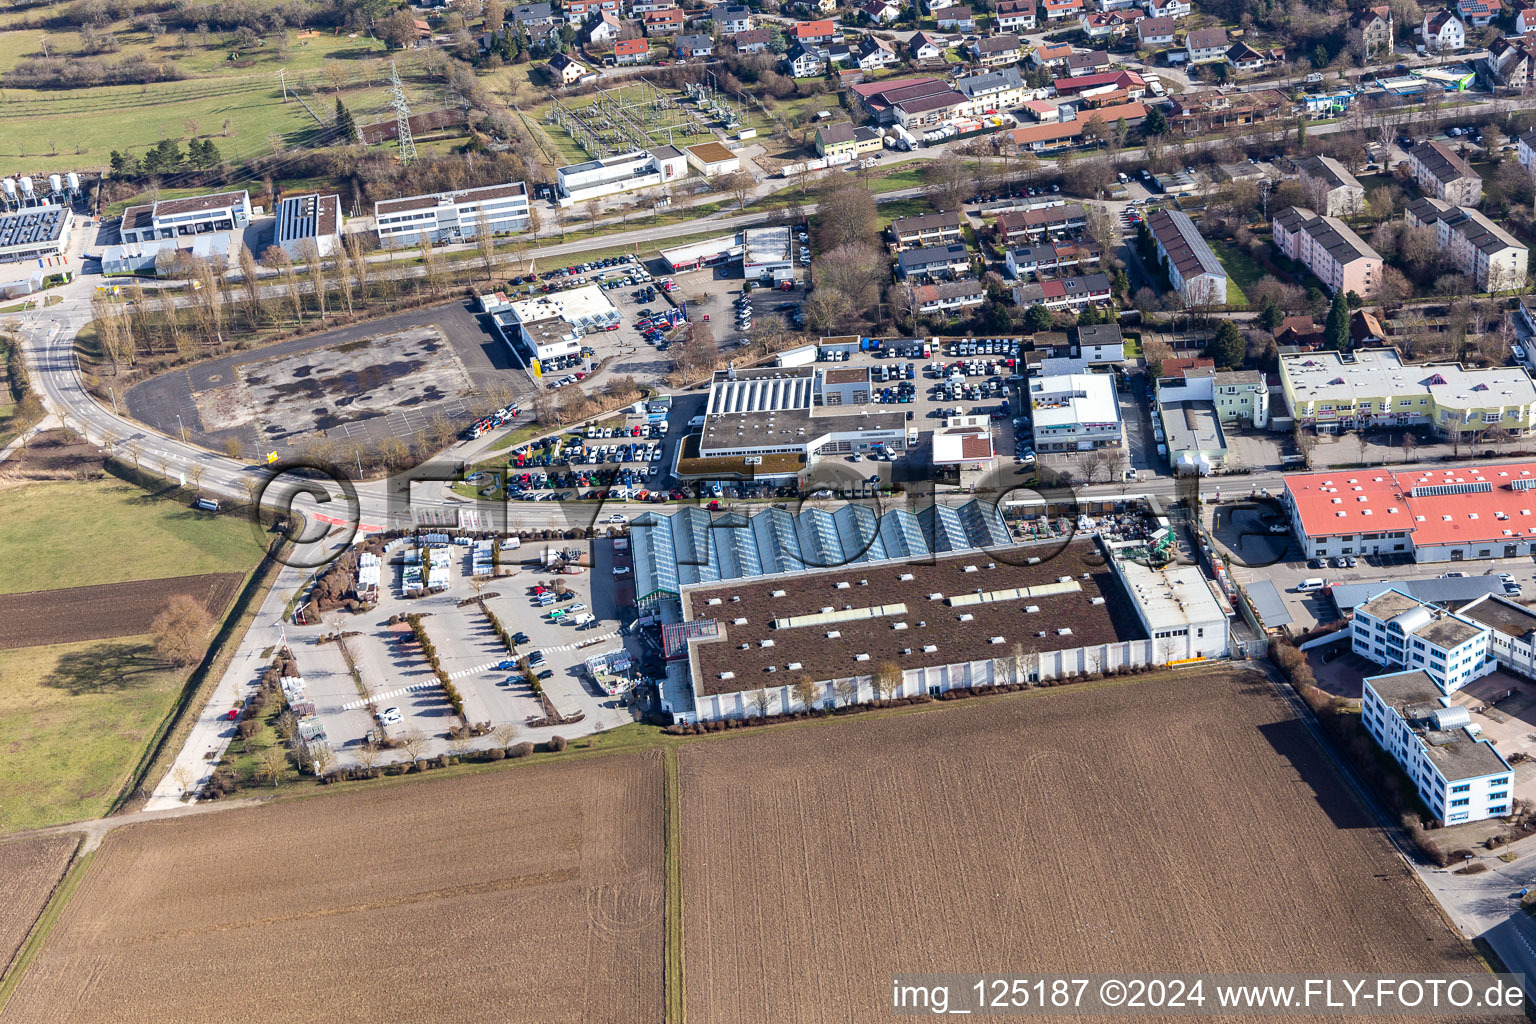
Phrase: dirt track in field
[105,611]
[529,895]
[29,869]
[1184,824]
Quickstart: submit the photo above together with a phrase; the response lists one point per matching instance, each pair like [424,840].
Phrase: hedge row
[430,651]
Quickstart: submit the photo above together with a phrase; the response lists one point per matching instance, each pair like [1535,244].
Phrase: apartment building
[1477,246]
[932,262]
[1340,259]
[1192,268]
[929,229]
[1329,187]
[1020,226]
[1444,175]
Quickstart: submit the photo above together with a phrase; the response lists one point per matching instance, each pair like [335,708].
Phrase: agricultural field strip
[106,610]
[951,835]
[540,888]
[31,868]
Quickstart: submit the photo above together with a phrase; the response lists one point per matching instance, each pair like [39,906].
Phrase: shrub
[248,728]
[496,754]
[520,749]
[1476,867]
[556,744]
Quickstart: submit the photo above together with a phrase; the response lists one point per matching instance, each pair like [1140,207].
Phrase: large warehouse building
[1431,515]
[981,613]
[778,411]
[451,216]
[593,179]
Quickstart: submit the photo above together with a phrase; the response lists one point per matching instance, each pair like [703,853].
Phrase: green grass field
[78,128]
[1242,271]
[74,720]
[81,533]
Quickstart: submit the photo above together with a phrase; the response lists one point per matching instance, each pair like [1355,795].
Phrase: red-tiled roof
[1374,501]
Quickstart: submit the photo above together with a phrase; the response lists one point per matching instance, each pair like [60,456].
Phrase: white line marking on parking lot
[461,673]
[354,705]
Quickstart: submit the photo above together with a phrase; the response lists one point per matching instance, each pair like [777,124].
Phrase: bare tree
[805,692]
[414,744]
[505,733]
[180,632]
[847,691]
[368,755]
[182,775]
[760,701]
[888,679]
[459,747]
[321,759]
[272,764]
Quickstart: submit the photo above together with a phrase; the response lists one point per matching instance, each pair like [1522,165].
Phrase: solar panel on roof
[1436,490]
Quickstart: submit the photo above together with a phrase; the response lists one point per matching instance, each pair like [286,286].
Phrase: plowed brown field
[1185,824]
[105,611]
[527,895]
[29,869]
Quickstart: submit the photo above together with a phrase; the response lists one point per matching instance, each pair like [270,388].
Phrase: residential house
[1206,45]
[565,70]
[731,19]
[922,48]
[1475,245]
[1014,15]
[834,139]
[1045,137]
[815,33]
[1444,175]
[1169,8]
[1244,58]
[947,296]
[1338,257]
[1062,10]
[535,14]
[1365,329]
[1330,187]
[996,51]
[940,261]
[879,98]
[921,107]
[1152,32]
[1069,293]
[1195,113]
[1110,24]
[1375,27]
[694,46]
[870,53]
[1049,258]
[753,41]
[1193,270]
[665,22]
[927,230]
[1478,12]
[992,90]
[605,29]
[1019,227]
[1443,32]
[1094,62]
[881,12]
[956,19]
[1525,20]
[579,10]
[632,51]
[1050,55]
[804,62]
[1513,60]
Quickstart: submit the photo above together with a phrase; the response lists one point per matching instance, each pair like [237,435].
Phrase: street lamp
[183,427]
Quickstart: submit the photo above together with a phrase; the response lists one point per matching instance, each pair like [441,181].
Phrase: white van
[1307,586]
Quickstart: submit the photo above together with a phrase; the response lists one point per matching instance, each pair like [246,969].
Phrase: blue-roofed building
[902,535]
[655,560]
[983,524]
[820,545]
[734,549]
[692,538]
[942,528]
[778,546]
[858,528]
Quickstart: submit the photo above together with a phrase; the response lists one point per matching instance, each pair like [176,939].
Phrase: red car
[232,714]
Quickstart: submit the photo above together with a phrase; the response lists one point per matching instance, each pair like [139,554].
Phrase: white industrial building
[1398,631]
[1178,608]
[711,159]
[1075,412]
[777,411]
[1459,776]
[767,254]
[451,216]
[34,233]
[309,225]
[195,215]
[551,326]
[162,257]
[593,179]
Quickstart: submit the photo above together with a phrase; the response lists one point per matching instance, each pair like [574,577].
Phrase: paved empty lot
[483,362]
